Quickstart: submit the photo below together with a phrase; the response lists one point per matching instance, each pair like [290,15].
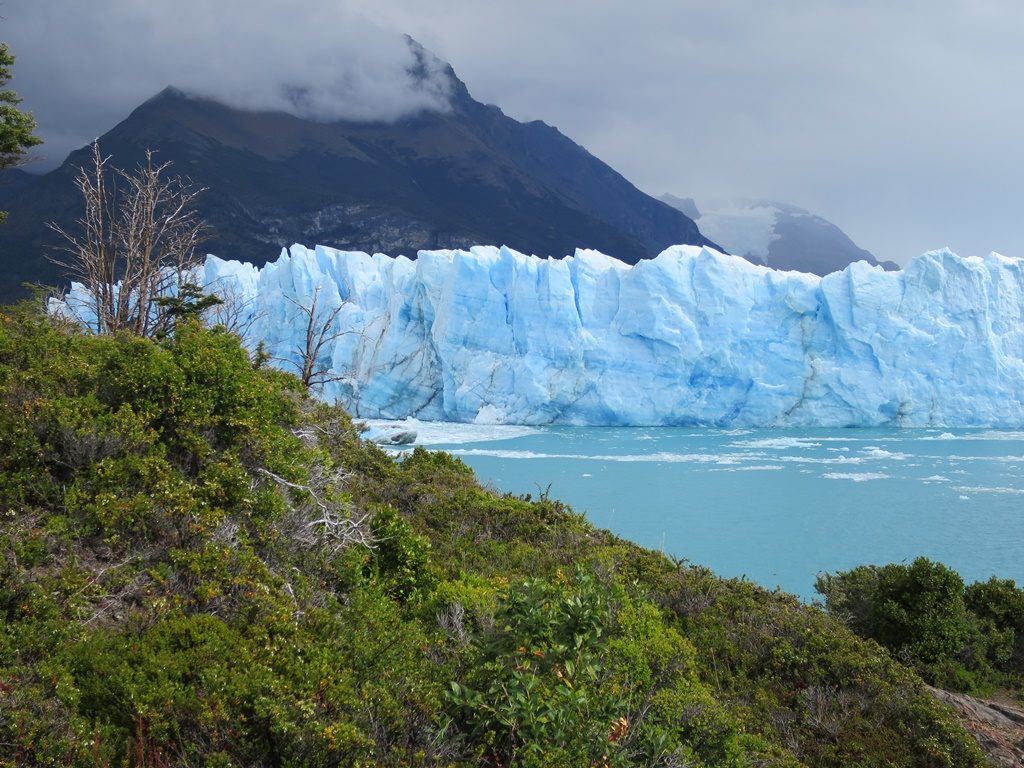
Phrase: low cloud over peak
[399,78]
[80,63]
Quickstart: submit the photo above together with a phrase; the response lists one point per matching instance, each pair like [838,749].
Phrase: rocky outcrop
[998,728]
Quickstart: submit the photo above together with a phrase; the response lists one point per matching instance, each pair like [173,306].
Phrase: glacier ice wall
[690,337]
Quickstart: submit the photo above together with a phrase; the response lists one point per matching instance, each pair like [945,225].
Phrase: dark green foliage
[998,608]
[400,558]
[189,304]
[916,610]
[15,126]
[966,639]
[201,566]
[533,691]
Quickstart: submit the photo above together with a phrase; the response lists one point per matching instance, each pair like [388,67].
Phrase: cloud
[81,63]
[897,121]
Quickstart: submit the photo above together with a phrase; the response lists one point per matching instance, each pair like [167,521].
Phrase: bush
[963,638]
[998,605]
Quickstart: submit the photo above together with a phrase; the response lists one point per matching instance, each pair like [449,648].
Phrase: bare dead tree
[134,244]
[452,620]
[321,330]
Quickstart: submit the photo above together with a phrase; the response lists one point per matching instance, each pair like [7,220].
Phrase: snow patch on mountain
[746,230]
[778,235]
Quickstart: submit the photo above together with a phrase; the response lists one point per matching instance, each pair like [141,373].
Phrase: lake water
[775,506]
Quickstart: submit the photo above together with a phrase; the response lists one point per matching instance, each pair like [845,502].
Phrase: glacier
[691,337]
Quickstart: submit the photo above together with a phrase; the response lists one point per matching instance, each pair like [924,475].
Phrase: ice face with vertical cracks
[690,337]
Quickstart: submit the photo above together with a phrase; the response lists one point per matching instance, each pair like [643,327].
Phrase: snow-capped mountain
[778,235]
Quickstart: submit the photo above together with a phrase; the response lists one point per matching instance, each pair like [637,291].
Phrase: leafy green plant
[532,696]
[16,127]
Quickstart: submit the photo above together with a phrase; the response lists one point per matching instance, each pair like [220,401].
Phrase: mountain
[436,180]
[690,337]
[12,182]
[778,235]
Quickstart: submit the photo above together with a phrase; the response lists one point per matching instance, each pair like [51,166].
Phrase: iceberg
[692,337]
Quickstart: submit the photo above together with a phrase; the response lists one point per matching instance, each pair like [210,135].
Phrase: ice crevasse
[692,337]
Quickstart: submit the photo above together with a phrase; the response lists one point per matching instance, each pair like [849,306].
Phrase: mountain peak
[449,178]
[168,93]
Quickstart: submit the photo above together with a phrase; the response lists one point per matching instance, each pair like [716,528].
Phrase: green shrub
[961,638]
[998,605]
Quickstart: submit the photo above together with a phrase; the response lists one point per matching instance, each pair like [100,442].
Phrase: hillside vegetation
[199,565]
[966,638]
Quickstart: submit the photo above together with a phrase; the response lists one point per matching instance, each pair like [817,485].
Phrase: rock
[998,728]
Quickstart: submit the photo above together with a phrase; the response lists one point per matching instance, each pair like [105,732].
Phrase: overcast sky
[902,122]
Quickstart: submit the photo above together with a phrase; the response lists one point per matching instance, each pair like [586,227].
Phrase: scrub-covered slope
[201,566]
[493,335]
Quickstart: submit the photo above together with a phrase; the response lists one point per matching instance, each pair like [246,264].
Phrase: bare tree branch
[235,312]
[133,244]
[320,331]
[318,518]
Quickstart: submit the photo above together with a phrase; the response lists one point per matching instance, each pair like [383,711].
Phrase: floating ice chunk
[991,489]
[777,443]
[443,432]
[751,468]
[857,477]
[874,452]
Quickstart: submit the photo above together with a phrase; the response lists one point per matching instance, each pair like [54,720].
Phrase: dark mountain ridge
[467,176]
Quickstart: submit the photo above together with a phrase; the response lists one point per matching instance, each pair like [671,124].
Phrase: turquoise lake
[774,506]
